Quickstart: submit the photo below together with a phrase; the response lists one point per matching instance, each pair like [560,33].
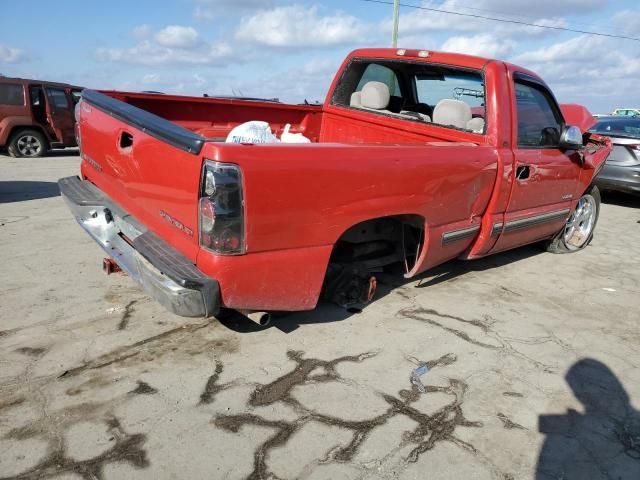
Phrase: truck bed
[213,118]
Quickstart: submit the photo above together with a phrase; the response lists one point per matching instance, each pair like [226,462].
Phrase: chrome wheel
[580,224]
[29,146]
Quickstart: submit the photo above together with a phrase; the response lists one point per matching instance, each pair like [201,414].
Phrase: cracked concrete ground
[532,363]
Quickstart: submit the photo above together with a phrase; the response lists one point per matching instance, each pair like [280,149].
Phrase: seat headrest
[375,95]
[355,100]
[476,125]
[452,112]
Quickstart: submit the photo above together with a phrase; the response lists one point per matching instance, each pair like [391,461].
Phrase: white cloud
[297,26]
[141,31]
[413,22]
[536,8]
[484,45]
[207,10]
[577,49]
[147,53]
[173,45]
[628,22]
[150,79]
[307,82]
[177,36]
[11,55]
[204,13]
[587,70]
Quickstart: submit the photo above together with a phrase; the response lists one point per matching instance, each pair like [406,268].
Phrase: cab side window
[538,116]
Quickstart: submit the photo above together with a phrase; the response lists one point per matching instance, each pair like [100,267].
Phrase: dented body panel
[468,190]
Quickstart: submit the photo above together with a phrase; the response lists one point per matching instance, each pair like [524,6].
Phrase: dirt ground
[532,366]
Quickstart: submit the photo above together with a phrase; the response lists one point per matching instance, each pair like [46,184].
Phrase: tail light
[222,209]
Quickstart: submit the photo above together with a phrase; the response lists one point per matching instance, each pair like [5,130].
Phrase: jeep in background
[36,116]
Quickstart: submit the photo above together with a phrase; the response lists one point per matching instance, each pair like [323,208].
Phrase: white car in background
[629,112]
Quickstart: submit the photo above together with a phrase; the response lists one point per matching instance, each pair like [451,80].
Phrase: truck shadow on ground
[21,190]
[67,152]
[387,283]
[604,441]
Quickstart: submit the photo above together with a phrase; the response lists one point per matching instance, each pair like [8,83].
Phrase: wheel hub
[29,146]
[579,226]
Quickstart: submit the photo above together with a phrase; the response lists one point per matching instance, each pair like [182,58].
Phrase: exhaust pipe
[261,318]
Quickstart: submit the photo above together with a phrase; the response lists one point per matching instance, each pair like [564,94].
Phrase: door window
[538,116]
[11,94]
[58,98]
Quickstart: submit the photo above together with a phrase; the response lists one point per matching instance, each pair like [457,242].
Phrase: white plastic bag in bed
[252,132]
[287,137]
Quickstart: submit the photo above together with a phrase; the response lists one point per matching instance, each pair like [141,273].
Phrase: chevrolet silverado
[416,157]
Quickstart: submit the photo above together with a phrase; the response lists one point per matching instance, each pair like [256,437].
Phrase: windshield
[629,127]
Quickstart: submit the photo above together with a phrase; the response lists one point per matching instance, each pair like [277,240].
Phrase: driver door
[547,176]
[60,115]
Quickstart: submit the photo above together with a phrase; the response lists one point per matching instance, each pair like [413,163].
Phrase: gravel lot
[533,366]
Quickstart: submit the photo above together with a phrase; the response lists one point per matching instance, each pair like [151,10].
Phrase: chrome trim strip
[457,235]
[523,223]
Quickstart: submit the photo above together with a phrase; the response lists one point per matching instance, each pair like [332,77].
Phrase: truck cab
[36,116]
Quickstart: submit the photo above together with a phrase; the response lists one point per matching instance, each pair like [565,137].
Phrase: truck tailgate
[146,164]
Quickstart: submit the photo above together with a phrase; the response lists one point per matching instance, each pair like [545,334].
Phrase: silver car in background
[622,169]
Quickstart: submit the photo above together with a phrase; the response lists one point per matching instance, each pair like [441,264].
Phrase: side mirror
[571,138]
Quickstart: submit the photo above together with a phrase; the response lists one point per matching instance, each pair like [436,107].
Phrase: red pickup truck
[416,157]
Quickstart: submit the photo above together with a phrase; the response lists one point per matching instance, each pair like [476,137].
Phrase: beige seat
[375,95]
[355,100]
[476,125]
[451,112]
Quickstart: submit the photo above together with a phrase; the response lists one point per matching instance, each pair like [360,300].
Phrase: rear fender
[9,125]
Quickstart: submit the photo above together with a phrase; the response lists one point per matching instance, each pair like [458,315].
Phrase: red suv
[36,116]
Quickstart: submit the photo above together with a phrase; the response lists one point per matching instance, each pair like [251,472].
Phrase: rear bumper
[162,272]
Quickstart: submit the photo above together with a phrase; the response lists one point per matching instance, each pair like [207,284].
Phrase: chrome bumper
[161,271]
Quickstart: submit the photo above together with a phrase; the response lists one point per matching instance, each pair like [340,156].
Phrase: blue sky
[290,49]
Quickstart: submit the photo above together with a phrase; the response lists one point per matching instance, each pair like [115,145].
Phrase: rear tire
[28,144]
[578,230]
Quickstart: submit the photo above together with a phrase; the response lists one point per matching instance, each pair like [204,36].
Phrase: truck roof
[41,82]
[415,54]
[432,56]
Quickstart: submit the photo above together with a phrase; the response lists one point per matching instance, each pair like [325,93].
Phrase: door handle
[522,172]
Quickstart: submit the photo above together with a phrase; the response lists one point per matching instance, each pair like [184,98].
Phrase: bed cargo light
[221,209]
[403,52]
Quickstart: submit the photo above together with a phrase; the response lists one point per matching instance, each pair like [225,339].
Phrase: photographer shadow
[601,443]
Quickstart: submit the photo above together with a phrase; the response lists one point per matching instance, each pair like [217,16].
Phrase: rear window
[414,91]
[464,86]
[11,94]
